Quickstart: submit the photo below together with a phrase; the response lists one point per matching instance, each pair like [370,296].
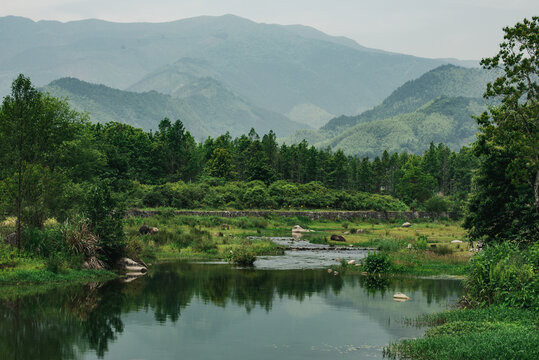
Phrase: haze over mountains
[216,74]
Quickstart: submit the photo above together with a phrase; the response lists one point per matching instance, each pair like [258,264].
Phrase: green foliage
[242,256]
[436,205]
[389,244]
[422,242]
[442,250]
[489,333]
[106,220]
[376,263]
[505,204]
[505,275]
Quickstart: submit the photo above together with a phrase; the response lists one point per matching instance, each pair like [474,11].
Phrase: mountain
[205,107]
[437,107]
[294,70]
[443,120]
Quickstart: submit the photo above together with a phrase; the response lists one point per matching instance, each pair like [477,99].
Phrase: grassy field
[212,237]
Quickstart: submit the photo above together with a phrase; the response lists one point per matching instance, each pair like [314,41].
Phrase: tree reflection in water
[67,322]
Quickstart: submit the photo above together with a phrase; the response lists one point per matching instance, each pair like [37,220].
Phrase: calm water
[208,311]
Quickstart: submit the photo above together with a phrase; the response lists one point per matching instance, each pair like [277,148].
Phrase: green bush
[437,205]
[389,244]
[422,242]
[376,263]
[54,263]
[243,256]
[106,220]
[504,274]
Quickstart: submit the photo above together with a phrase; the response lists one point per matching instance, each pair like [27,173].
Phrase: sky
[463,29]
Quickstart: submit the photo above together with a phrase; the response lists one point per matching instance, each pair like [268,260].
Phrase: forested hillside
[205,107]
[435,107]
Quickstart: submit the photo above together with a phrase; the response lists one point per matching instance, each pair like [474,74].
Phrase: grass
[41,276]
[488,333]
[227,234]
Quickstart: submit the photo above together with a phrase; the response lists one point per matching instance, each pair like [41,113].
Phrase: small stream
[305,255]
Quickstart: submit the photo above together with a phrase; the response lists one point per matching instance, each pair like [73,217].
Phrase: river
[216,311]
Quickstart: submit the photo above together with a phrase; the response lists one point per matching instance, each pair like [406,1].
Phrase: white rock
[329,271]
[409,246]
[299,229]
[351,262]
[406,224]
[400,296]
[456,242]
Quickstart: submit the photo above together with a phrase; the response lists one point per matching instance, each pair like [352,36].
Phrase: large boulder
[131,266]
[335,237]
[299,229]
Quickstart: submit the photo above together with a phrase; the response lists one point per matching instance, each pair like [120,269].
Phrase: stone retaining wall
[314,215]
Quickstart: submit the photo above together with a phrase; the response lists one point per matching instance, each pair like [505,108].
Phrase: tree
[415,186]
[33,129]
[506,203]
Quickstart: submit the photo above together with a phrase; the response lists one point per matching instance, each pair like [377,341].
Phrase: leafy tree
[33,130]
[506,202]
[220,165]
[415,186]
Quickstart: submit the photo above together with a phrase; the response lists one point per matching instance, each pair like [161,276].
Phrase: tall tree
[506,203]
[33,128]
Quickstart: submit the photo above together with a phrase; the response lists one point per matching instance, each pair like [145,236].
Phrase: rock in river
[337,238]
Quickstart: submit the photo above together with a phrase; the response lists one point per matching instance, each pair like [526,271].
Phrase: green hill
[447,95]
[443,120]
[205,107]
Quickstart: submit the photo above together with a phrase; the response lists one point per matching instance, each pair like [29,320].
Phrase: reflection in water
[184,299]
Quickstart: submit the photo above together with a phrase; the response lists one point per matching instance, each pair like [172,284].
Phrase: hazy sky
[465,29]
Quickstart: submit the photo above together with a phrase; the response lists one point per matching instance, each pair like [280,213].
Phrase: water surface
[208,311]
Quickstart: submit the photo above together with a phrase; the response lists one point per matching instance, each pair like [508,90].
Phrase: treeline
[171,155]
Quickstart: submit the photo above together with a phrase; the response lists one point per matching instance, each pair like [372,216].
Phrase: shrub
[79,240]
[503,274]
[390,244]
[54,263]
[106,220]
[243,256]
[437,205]
[376,263]
[422,242]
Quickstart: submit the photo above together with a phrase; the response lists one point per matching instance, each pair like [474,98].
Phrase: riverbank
[494,332]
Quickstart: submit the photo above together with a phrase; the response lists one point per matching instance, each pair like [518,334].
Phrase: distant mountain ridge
[205,107]
[294,70]
[437,107]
